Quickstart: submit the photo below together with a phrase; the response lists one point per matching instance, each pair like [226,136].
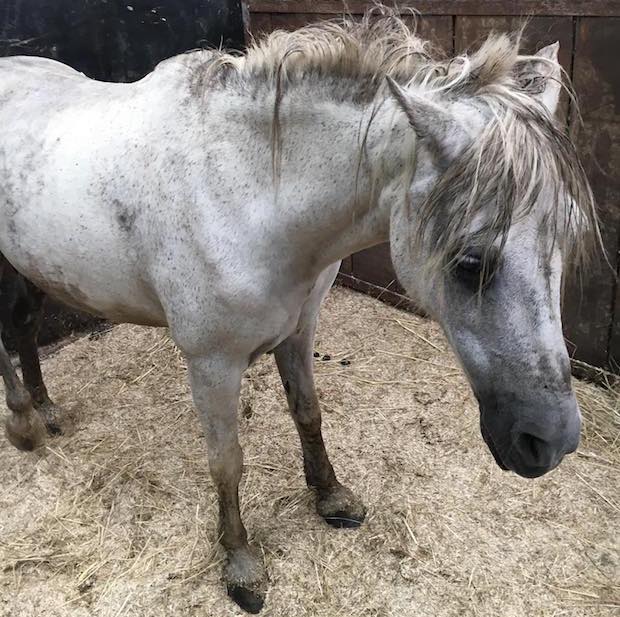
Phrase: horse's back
[22,77]
[20,65]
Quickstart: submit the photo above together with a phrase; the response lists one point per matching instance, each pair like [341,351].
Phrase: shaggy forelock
[521,158]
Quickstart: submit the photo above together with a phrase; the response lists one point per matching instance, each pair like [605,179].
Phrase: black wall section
[117,40]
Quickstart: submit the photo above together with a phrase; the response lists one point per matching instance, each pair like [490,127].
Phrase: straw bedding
[118,516]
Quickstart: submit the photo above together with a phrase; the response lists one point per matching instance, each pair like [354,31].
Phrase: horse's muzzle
[532,449]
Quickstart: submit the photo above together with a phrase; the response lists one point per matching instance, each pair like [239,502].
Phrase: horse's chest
[284,318]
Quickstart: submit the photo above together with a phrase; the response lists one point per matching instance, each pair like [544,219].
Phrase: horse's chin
[489,441]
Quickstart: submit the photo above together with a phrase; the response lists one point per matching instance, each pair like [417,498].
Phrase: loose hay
[118,517]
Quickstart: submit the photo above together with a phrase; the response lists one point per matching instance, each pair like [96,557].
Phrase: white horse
[217,195]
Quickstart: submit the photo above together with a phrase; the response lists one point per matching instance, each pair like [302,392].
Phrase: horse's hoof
[249,600]
[344,520]
[50,415]
[53,429]
[245,578]
[341,508]
[24,434]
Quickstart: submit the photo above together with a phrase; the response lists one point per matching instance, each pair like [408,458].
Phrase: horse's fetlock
[50,414]
[18,400]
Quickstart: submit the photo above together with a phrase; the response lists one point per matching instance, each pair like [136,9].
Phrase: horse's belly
[78,260]
[101,290]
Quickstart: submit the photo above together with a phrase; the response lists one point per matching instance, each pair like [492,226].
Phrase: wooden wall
[589,36]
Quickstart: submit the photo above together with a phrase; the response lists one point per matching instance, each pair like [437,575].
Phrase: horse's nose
[535,453]
[536,449]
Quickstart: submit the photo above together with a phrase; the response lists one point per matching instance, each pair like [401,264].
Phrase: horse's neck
[331,200]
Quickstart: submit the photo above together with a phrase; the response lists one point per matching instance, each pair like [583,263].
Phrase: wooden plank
[592,311]
[601,8]
[374,266]
[540,31]
[259,24]
[346,266]
[293,21]
[435,28]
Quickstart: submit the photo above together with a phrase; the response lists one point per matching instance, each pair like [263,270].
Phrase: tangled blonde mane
[521,153]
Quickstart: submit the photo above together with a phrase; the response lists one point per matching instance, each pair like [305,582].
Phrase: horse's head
[497,201]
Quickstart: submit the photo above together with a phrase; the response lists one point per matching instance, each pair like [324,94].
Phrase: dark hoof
[25,433]
[25,444]
[248,600]
[344,520]
[53,429]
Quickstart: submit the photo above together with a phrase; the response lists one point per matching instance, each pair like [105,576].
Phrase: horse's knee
[307,413]
[226,461]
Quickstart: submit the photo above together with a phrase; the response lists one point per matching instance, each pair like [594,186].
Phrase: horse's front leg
[215,384]
[335,502]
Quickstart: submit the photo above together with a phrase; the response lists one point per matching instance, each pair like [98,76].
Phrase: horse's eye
[475,268]
[470,263]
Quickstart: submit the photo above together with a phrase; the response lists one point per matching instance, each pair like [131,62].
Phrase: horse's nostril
[533,450]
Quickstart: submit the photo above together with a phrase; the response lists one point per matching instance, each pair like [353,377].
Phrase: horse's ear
[541,76]
[430,121]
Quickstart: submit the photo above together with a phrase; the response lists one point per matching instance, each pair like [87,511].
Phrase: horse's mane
[522,151]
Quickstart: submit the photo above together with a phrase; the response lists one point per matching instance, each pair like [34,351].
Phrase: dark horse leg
[21,312]
[23,427]
[335,502]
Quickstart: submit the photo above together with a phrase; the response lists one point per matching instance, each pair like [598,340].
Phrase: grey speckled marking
[124,216]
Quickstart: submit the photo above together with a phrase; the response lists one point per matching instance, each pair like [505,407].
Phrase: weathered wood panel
[259,24]
[264,23]
[292,22]
[439,29]
[591,312]
[600,8]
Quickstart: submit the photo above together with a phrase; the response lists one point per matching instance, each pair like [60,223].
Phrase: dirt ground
[118,517]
